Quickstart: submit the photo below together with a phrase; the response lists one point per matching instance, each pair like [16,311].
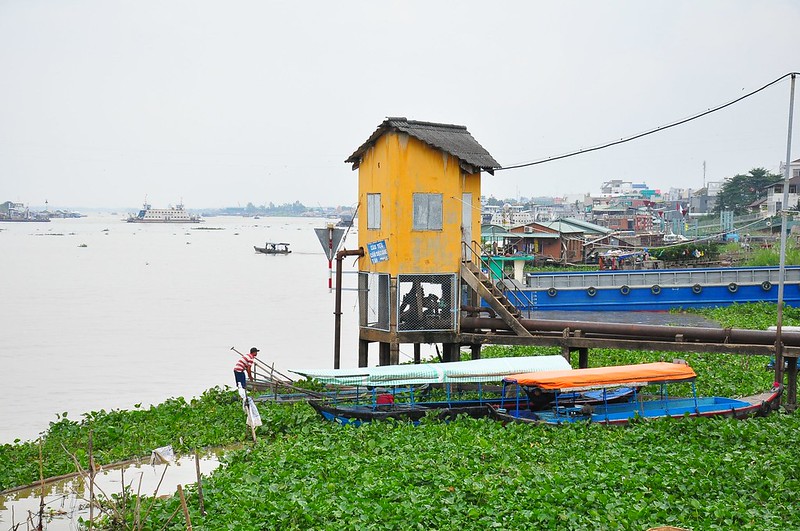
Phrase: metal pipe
[337,312]
[623,331]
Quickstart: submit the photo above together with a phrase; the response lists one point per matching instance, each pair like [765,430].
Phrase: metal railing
[509,286]
[662,277]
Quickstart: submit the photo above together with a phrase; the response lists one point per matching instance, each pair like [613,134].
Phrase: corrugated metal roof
[494,230]
[452,139]
[562,227]
[534,235]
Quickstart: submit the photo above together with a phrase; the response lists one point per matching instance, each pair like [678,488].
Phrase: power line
[649,132]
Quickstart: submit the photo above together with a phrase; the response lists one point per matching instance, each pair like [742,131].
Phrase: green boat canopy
[473,371]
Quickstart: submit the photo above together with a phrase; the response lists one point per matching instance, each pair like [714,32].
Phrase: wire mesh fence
[426,302]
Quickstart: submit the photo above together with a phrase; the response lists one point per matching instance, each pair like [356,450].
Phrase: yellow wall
[396,167]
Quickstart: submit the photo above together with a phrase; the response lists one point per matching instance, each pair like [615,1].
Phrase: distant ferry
[176,214]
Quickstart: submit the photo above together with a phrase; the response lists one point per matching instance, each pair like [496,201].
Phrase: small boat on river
[410,392]
[273,248]
[640,406]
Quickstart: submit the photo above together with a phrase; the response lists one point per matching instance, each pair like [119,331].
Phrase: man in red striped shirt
[244,364]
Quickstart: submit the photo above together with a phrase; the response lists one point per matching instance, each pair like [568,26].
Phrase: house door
[466,224]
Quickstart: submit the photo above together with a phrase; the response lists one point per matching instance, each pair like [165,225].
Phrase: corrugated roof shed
[588,227]
[452,139]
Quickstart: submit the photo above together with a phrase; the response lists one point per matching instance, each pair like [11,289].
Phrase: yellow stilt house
[419,187]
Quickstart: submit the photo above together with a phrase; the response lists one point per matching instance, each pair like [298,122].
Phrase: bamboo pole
[185,509]
[41,488]
[91,483]
[122,483]
[199,483]
[283,383]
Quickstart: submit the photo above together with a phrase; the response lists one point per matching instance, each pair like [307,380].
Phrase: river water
[98,314]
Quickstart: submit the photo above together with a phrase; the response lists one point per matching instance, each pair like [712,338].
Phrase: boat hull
[137,220]
[655,290]
[358,414]
[269,251]
[624,413]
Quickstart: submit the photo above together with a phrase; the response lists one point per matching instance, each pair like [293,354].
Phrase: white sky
[219,103]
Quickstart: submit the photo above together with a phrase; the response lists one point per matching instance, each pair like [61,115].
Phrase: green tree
[741,190]
[493,201]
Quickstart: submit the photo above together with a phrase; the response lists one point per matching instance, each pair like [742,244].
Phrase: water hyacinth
[304,473]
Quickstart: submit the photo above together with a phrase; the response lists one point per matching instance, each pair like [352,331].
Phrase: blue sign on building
[377,251]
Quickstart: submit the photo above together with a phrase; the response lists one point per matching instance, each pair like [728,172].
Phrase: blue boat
[403,392]
[640,406]
[653,289]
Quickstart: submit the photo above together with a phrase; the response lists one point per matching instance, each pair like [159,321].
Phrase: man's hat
[254,349]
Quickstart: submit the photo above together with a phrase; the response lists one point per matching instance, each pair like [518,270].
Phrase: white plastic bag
[253,416]
[163,455]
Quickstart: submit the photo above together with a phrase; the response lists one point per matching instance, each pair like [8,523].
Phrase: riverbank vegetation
[751,316]
[213,419]
[770,256]
[305,473]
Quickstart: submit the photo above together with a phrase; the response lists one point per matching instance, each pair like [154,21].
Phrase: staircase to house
[476,279]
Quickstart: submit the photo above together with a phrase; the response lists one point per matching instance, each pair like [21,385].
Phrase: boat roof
[600,377]
[472,371]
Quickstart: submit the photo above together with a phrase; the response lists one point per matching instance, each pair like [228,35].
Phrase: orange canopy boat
[635,376]
[599,377]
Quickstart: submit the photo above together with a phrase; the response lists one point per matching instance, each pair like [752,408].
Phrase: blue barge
[654,289]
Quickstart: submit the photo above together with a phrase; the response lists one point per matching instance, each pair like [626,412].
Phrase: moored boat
[410,392]
[639,406]
[654,289]
[273,248]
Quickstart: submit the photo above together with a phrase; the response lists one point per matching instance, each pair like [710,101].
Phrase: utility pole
[782,269]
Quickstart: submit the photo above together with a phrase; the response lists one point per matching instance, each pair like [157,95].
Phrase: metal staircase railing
[509,285]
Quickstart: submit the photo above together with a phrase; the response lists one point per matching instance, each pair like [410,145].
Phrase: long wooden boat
[404,391]
[639,407]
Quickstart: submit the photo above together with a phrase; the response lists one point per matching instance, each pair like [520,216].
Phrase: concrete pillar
[450,352]
[383,354]
[363,353]
[475,351]
[583,358]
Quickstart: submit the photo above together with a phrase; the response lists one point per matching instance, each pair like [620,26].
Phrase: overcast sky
[219,103]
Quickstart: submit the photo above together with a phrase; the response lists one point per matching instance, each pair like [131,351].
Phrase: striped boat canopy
[599,377]
[473,371]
